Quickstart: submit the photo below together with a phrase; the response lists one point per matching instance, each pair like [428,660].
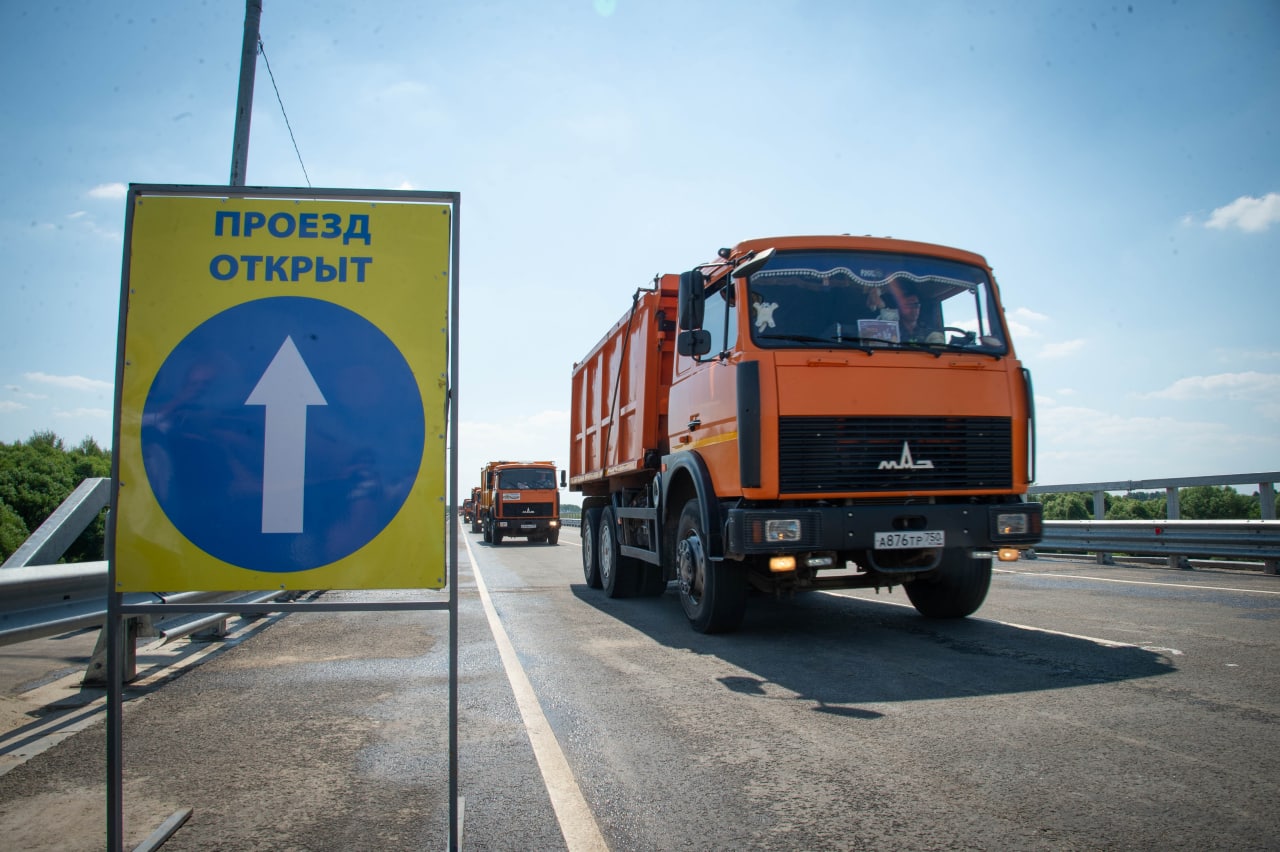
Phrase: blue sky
[1117,163]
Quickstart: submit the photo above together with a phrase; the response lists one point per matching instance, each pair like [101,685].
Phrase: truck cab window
[720,318]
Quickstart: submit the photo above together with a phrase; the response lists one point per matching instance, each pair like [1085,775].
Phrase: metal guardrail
[40,599]
[1251,541]
[37,601]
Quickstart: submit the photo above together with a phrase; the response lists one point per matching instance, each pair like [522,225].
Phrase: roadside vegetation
[1199,503]
[36,475]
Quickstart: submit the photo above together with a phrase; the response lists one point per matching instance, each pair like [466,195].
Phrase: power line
[263,50]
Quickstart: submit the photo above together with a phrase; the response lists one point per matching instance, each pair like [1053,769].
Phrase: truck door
[702,413]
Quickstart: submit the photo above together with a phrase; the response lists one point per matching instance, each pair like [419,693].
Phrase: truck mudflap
[881,527]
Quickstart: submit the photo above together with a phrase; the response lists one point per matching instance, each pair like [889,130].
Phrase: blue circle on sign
[283,434]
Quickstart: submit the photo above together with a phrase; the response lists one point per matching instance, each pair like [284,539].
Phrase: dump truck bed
[618,411]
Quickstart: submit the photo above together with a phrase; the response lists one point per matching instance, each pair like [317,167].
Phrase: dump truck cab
[519,499]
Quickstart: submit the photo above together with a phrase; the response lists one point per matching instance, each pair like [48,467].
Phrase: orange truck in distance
[469,510]
[518,498]
[806,413]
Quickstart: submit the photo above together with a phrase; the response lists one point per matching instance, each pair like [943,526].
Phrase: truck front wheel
[713,594]
[956,589]
[591,547]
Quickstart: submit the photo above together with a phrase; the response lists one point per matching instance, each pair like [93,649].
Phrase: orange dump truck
[806,413]
[518,498]
[469,509]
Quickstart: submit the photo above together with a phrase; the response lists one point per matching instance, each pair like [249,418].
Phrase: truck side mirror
[693,343]
[693,296]
[564,480]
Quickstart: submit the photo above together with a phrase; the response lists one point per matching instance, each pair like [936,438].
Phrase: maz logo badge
[905,462]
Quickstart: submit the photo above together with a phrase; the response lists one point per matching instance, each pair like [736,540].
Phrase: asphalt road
[1084,707]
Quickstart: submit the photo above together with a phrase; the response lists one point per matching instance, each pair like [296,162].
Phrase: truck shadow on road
[845,652]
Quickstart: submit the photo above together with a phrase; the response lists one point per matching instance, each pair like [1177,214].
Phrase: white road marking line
[577,823]
[1143,582]
[1105,642]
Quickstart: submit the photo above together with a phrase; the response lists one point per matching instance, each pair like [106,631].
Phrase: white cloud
[1076,444]
[73,382]
[539,436]
[1249,385]
[7,405]
[109,191]
[1027,315]
[1021,322]
[1063,349]
[25,394]
[1247,213]
[81,412]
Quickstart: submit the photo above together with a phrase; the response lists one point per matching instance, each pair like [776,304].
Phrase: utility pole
[244,102]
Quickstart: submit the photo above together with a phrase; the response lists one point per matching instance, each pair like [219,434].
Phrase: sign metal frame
[117,609]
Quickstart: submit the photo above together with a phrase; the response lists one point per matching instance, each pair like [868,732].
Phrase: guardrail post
[1100,514]
[1267,499]
[1173,512]
[96,673]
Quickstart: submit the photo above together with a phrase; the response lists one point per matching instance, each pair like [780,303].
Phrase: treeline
[36,475]
[1199,503]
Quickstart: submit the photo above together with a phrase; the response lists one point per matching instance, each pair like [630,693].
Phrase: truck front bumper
[765,530]
[525,526]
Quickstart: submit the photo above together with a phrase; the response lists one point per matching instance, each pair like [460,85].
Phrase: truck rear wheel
[617,572]
[956,589]
[713,594]
[591,547]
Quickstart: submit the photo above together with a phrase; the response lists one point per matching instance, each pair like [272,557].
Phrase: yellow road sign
[282,391]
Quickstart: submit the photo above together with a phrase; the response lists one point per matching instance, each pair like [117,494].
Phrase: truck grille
[516,510]
[850,454]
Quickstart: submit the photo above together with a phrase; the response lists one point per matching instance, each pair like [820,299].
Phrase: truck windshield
[526,479]
[816,299]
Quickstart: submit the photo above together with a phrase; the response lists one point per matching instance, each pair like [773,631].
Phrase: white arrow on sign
[285,389]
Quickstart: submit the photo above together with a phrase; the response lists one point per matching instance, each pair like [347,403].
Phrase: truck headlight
[1012,523]
[780,531]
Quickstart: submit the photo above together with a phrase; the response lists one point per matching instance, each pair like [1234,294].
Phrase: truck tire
[495,537]
[618,573]
[956,589]
[713,594]
[475,526]
[591,547]
[553,537]
[487,532]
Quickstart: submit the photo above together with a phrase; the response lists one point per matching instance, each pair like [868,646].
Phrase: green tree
[1212,503]
[35,477]
[1065,506]
[1127,508]
[13,532]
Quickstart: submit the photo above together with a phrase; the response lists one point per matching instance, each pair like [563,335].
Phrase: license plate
[910,540]
[528,526]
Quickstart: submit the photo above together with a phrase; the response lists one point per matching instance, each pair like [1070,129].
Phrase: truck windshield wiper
[846,343]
